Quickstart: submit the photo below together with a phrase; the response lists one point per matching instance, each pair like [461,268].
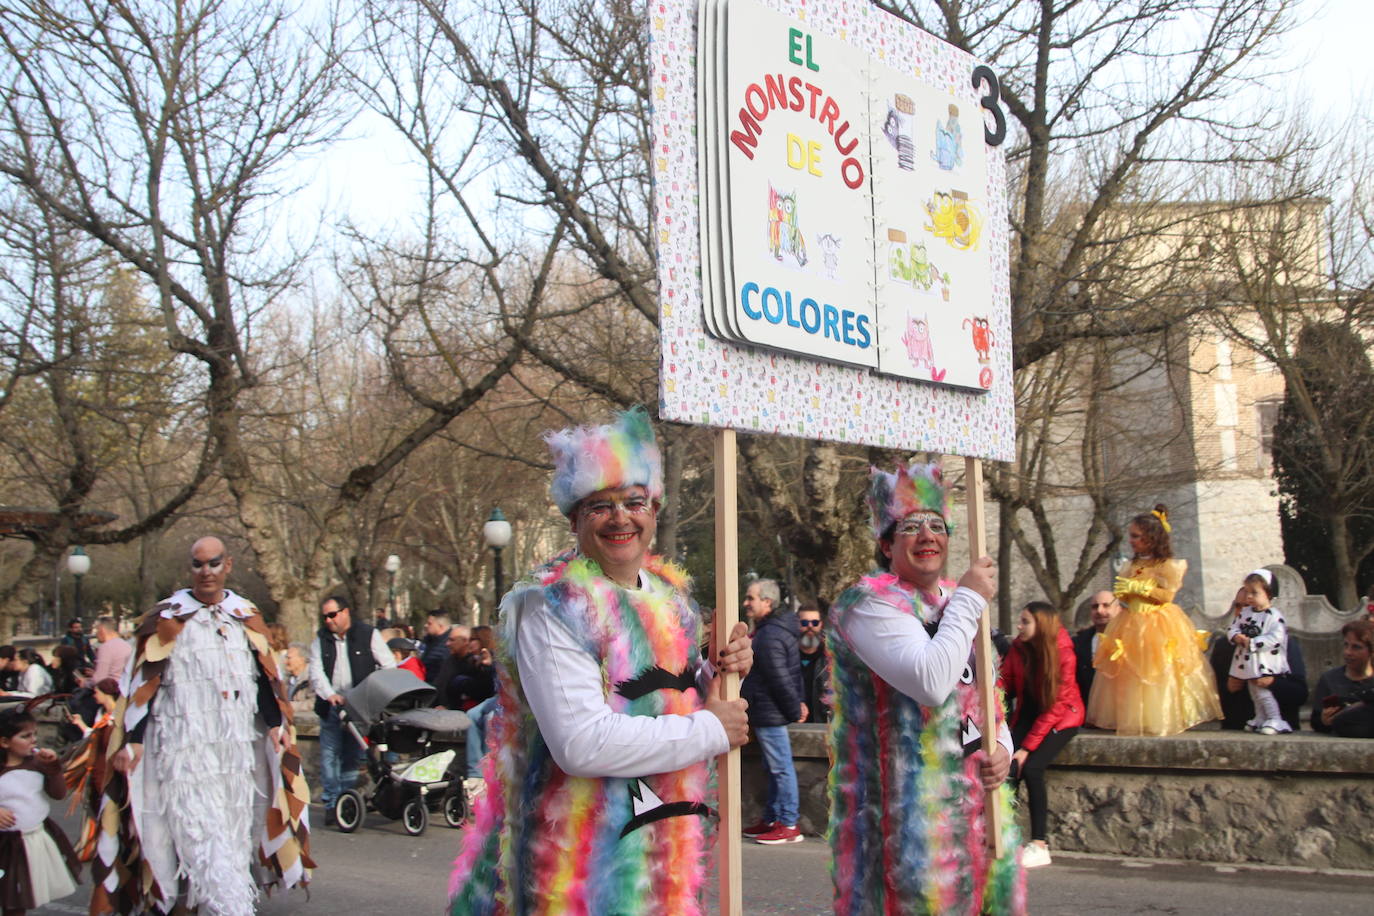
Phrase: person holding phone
[1345,694]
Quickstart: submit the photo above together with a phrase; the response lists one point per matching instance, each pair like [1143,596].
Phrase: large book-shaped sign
[831,214]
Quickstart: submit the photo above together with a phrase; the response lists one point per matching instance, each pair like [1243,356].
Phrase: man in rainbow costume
[907,788]
[597,772]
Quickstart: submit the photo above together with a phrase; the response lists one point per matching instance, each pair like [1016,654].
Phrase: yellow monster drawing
[954,219]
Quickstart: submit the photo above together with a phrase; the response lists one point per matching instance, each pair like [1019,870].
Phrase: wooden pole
[727,615]
[984,658]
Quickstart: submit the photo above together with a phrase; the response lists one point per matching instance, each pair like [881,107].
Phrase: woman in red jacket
[1038,676]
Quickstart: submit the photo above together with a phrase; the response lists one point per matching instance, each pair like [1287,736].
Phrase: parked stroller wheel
[455,807]
[348,811]
[415,817]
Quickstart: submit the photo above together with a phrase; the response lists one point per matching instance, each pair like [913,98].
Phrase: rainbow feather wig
[911,488]
[590,458]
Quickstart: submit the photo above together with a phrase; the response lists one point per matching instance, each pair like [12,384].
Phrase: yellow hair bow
[1163,519]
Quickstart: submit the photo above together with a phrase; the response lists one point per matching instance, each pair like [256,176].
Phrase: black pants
[1355,721]
[1033,774]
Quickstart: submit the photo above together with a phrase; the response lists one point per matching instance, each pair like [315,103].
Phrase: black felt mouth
[662,812]
[655,678]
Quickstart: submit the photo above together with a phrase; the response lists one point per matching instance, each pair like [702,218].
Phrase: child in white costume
[38,861]
[1260,635]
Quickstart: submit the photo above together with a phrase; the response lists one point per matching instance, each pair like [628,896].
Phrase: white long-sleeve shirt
[562,684]
[897,648]
[327,684]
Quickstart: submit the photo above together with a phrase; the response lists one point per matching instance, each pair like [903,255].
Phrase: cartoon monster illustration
[949,142]
[922,271]
[898,267]
[897,129]
[917,340]
[784,229]
[982,336]
[830,255]
[954,219]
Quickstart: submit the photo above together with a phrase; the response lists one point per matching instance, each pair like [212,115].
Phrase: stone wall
[1201,796]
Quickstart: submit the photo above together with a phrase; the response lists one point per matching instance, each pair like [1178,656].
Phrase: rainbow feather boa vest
[542,841]
[906,808]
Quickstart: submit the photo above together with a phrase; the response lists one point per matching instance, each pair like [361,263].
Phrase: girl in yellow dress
[1152,678]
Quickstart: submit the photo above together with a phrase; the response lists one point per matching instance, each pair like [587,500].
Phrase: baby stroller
[388,714]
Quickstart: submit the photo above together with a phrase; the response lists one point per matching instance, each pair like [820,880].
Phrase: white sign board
[831,228]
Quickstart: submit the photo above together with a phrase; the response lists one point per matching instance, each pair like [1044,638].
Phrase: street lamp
[496,532]
[78,564]
[393,566]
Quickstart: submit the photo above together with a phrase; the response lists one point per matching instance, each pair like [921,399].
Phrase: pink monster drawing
[917,340]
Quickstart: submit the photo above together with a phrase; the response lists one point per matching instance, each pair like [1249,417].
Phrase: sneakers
[780,834]
[759,829]
[1035,855]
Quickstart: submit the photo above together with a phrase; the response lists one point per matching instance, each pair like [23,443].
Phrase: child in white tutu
[38,861]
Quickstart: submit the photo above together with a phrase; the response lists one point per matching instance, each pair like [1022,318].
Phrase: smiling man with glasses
[597,777]
[186,824]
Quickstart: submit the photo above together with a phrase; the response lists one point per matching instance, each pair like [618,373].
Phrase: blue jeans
[783,805]
[339,756]
[475,741]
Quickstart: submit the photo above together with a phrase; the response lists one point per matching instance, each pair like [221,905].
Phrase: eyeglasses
[331,615]
[809,623]
[1102,604]
[912,524]
[602,508]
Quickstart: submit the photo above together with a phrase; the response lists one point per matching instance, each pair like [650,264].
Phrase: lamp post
[78,564]
[496,532]
[393,566]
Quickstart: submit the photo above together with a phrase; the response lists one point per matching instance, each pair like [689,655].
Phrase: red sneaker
[759,829]
[780,834]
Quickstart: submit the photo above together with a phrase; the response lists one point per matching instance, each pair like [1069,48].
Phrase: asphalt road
[380,870]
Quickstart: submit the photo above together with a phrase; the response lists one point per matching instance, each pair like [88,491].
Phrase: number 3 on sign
[992,102]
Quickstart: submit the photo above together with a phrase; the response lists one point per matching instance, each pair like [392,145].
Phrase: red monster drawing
[982,337]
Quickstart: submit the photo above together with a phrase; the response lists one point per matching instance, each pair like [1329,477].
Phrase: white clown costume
[211,805]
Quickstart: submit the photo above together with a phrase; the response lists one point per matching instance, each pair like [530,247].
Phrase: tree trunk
[27,587]
[1003,568]
[1347,594]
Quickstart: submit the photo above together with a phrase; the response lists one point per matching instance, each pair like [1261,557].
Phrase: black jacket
[433,655]
[361,663]
[774,686]
[816,684]
[1083,650]
[463,682]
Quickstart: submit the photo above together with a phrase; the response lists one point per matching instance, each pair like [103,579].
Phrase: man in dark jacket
[435,645]
[774,692]
[815,664]
[1103,606]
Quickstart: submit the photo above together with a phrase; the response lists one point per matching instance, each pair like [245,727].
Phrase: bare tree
[165,132]
[93,395]
[1298,290]
[1111,110]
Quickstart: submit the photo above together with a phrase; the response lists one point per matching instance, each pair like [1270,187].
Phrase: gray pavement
[381,870]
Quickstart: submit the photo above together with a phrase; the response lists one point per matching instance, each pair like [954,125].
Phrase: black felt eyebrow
[652,679]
